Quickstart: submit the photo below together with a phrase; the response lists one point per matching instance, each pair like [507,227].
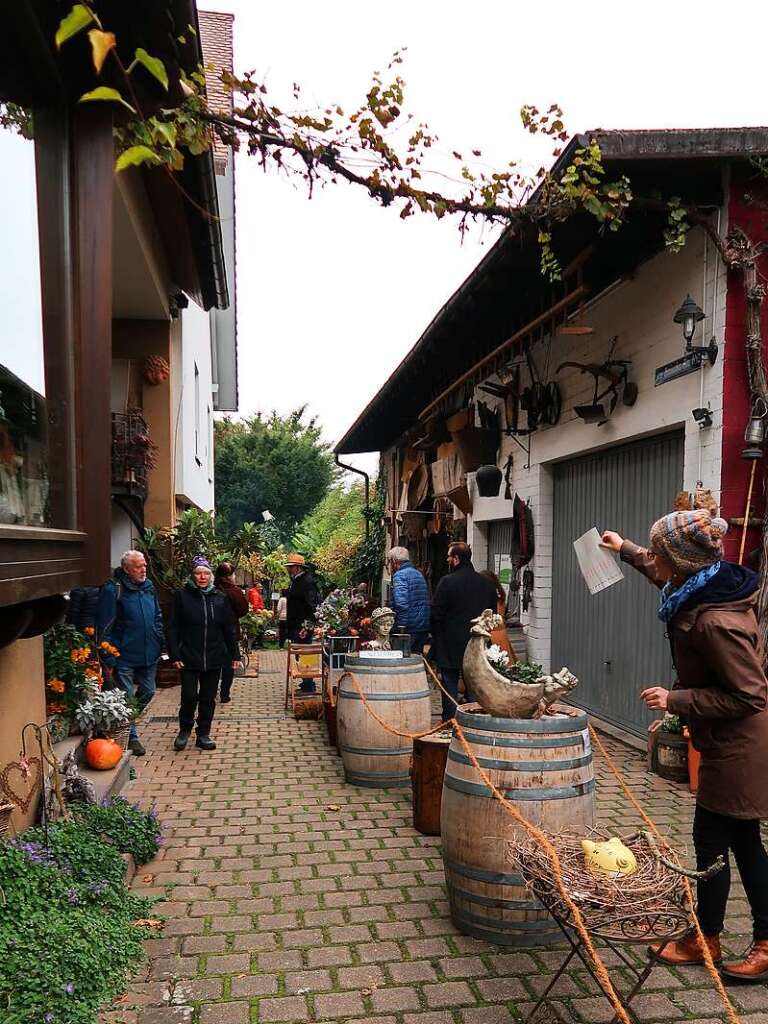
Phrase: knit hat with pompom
[689,540]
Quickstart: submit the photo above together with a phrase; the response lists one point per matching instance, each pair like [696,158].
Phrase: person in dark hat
[721,692]
[201,643]
[302,602]
[225,582]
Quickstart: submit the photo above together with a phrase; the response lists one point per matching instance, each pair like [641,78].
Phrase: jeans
[198,693]
[715,835]
[450,680]
[227,675]
[137,681]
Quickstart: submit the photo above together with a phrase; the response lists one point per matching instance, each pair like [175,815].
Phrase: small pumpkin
[103,754]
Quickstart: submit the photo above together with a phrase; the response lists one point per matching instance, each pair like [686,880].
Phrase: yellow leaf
[136,155]
[74,22]
[154,66]
[101,44]
[105,93]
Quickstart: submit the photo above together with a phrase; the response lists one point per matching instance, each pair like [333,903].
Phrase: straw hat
[295,560]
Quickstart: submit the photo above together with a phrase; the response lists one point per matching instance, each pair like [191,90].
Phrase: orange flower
[55,708]
[89,631]
[57,685]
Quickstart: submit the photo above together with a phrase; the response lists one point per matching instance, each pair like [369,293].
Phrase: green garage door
[613,641]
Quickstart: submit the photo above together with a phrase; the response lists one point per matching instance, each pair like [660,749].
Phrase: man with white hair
[410,598]
[128,618]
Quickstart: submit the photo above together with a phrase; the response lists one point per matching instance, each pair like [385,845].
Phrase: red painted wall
[747,209]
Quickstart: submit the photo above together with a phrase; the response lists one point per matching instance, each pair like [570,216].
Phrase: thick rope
[541,837]
[440,686]
[385,725]
[709,963]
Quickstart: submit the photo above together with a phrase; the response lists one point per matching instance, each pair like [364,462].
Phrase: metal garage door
[613,641]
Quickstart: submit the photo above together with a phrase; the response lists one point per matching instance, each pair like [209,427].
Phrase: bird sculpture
[611,858]
[496,693]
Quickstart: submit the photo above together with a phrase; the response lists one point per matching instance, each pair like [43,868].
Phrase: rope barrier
[541,837]
[709,963]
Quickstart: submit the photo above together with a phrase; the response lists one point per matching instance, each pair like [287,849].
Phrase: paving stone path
[292,897]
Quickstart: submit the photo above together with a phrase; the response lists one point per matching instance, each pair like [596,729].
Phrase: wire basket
[6,810]
[121,735]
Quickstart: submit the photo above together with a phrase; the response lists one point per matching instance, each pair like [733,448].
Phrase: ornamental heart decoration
[23,769]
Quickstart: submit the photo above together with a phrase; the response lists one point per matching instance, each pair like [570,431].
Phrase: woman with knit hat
[708,606]
[201,642]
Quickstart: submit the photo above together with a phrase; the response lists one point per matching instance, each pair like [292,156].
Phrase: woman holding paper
[708,606]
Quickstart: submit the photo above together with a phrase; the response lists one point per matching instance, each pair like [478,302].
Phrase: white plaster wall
[640,311]
[194,462]
[123,535]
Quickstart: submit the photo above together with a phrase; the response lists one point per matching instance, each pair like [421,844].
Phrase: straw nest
[648,903]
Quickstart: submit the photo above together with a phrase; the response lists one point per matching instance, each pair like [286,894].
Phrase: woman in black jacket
[201,642]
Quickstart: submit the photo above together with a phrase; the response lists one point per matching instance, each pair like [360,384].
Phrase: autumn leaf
[136,155]
[101,44]
[153,65]
[78,18]
[333,807]
[155,923]
[106,94]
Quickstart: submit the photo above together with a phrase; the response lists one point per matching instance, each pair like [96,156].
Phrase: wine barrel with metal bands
[542,766]
[399,693]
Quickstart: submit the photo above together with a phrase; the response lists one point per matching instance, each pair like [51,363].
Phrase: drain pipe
[360,472]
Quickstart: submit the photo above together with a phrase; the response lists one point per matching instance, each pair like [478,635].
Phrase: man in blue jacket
[410,598]
[128,617]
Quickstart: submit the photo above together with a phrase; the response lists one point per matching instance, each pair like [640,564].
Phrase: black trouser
[227,675]
[198,692]
[715,835]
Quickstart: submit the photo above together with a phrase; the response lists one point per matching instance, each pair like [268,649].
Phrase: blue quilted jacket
[410,599]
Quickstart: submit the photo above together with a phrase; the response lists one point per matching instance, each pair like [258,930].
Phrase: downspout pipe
[364,475]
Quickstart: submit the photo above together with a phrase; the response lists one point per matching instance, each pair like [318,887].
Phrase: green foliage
[368,562]
[124,825]
[274,568]
[80,17]
[676,231]
[17,119]
[332,533]
[70,937]
[72,670]
[276,463]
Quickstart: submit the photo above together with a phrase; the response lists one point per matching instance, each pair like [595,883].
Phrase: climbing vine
[378,146]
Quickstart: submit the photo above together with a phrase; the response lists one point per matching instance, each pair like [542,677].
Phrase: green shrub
[125,825]
[68,938]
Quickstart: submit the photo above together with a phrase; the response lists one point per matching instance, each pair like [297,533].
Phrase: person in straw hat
[721,692]
[302,602]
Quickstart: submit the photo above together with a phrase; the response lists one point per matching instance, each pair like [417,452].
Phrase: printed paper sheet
[598,566]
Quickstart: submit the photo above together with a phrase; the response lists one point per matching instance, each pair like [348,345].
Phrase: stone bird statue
[498,695]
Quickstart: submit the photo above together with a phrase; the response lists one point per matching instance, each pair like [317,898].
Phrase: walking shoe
[181,740]
[754,966]
[687,951]
[205,743]
[137,747]
[225,700]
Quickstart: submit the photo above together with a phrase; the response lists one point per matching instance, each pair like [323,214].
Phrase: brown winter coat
[722,694]
[238,602]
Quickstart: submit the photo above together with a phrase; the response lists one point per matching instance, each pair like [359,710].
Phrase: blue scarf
[673,598]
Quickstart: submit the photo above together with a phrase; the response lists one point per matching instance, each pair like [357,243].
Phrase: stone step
[106,783]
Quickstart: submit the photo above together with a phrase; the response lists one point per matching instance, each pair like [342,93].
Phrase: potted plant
[106,715]
[73,673]
[668,749]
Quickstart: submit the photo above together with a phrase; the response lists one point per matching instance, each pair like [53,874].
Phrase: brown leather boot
[686,951]
[754,966]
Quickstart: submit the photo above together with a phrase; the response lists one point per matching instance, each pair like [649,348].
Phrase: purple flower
[98,887]
[48,1018]
[69,988]
[159,839]
[73,897]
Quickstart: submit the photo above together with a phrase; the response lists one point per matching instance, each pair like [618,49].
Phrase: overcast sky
[333,292]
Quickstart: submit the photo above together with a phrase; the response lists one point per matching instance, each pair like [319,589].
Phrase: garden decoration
[382,621]
[25,768]
[103,754]
[616,373]
[75,787]
[504,690]
[644,900]
[155,370]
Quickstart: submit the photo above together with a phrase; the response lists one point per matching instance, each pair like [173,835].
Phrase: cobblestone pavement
[293,897]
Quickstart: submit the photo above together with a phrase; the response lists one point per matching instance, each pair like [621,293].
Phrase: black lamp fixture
[689,314]
[703,417]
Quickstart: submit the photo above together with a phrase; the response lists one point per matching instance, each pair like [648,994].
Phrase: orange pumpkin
[103,754]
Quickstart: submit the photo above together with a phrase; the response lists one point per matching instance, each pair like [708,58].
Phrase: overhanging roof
[506,289]
[33,74]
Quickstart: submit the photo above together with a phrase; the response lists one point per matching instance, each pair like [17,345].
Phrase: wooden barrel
[544,767]
[398,692]
[430,755]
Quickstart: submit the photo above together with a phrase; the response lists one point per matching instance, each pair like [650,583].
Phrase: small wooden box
[430,755]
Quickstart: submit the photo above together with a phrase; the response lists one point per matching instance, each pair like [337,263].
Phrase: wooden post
[92,200]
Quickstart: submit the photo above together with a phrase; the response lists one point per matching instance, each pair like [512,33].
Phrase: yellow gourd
[611,858]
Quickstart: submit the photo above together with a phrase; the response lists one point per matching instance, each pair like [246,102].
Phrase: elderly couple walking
[202,640]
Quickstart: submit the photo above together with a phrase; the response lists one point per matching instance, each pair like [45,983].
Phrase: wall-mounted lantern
[754,435]
[689,314]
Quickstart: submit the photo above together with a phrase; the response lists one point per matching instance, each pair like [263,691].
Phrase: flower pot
[121,735]
[668,754]
[488,480]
